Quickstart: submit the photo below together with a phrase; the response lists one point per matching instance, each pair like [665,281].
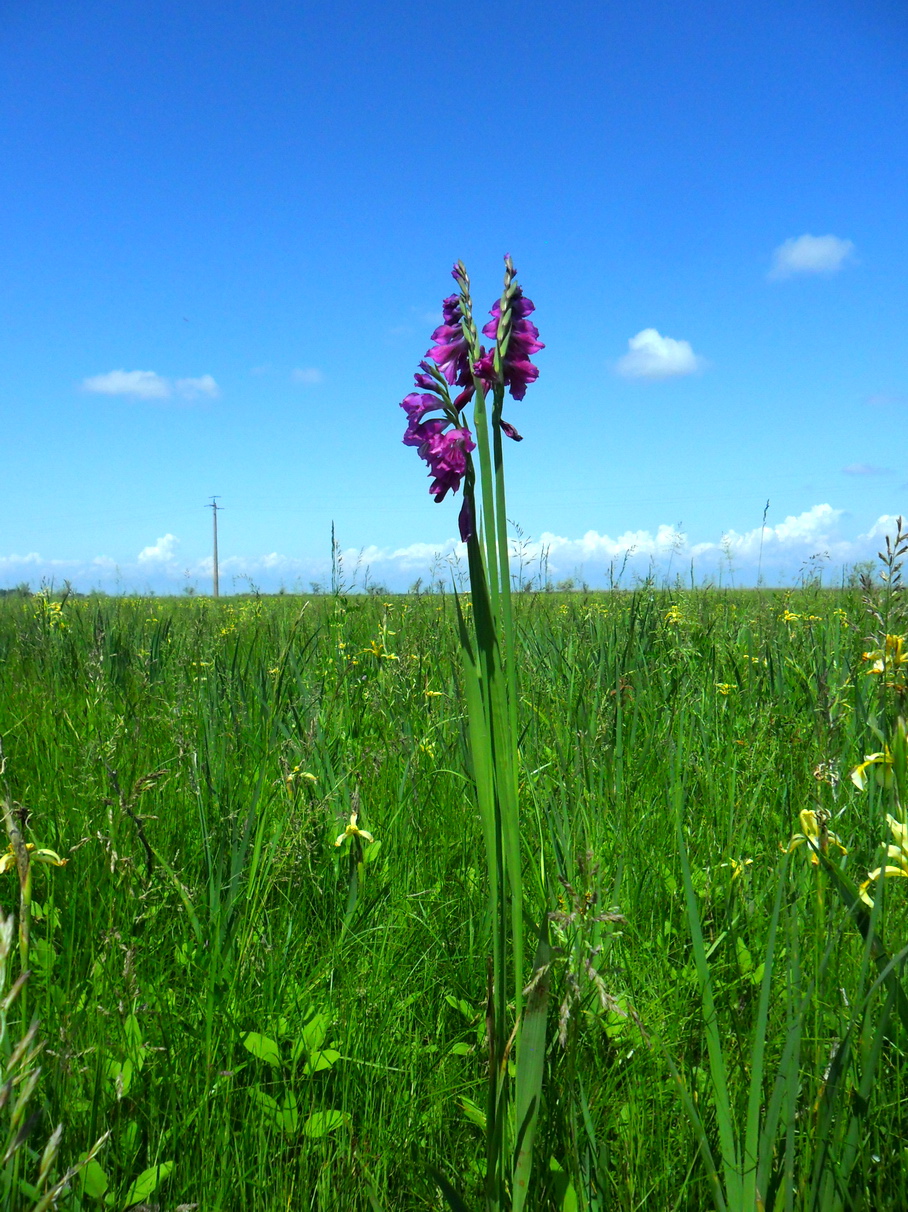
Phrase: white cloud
[146,385]
[192,389]
[780,552]
[161,552]
[143,384]
[309,376]
[887,523]
[866,469]
[652,356]
[810,255]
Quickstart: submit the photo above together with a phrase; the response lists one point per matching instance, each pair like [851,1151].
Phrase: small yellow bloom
[48,857]
[890,657]
[815,835]
[884,774]
[298,773]
[353,830]
[377,648]
[738,866]
[725,687]
[897,852]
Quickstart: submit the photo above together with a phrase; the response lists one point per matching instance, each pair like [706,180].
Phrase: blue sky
[226,230]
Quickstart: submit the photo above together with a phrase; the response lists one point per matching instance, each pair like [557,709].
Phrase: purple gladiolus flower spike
[456,359]
[517,370]
[451,351]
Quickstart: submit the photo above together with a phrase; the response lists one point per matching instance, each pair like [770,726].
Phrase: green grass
[162,747]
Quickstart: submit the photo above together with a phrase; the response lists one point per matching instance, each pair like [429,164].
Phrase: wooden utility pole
[214,507]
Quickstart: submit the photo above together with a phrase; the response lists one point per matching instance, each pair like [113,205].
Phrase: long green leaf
[455,1203]
[750,1192]
[717,1068]
[530,1068]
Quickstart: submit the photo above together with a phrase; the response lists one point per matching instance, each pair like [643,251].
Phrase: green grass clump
[262,1019]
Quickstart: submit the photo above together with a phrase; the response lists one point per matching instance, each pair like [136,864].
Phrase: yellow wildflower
[49,857]
[738,866]
[377,648]
[898,853]
[884,774]
[298,773]
[890,657]
[353,830]
[814,834]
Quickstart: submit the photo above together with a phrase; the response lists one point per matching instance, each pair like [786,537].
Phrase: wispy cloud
[141,384]
[160,552]
[810,255]
[652,356]
[866,469]
[193,389]
[309,376]
[147,385]
[886,399]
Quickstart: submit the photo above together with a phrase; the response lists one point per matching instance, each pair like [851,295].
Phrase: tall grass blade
[530,1068]
[751,1193]
[717,1068]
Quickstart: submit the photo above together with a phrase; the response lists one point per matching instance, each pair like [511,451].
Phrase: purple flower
[465,519]
[510,432]
[517,370]
[451,351]
[446,454]
[416,405]
[464,398]
[445,449]
[417,434]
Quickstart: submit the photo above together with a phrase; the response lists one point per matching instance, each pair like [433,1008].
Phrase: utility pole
[214,507]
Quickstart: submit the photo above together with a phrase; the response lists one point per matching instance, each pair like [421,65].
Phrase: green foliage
[196,761]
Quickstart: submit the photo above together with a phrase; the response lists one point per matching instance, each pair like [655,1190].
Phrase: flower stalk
[447,443]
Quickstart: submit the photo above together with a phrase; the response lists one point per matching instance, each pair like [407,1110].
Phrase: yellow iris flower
[353,830]
[884,774]
[49,857]
[814,835]
[891,656]
[898,853]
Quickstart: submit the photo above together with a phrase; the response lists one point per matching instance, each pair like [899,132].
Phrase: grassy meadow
[262,1019]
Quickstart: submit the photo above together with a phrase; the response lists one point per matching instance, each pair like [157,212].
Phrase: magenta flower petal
[450,351]
[421,434]
[446,455]
[517,371]
[465,519]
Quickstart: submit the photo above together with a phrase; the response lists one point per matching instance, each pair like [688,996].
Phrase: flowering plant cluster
[456,373]
[457,359]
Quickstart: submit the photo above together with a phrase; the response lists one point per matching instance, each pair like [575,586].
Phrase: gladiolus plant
[455,421]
